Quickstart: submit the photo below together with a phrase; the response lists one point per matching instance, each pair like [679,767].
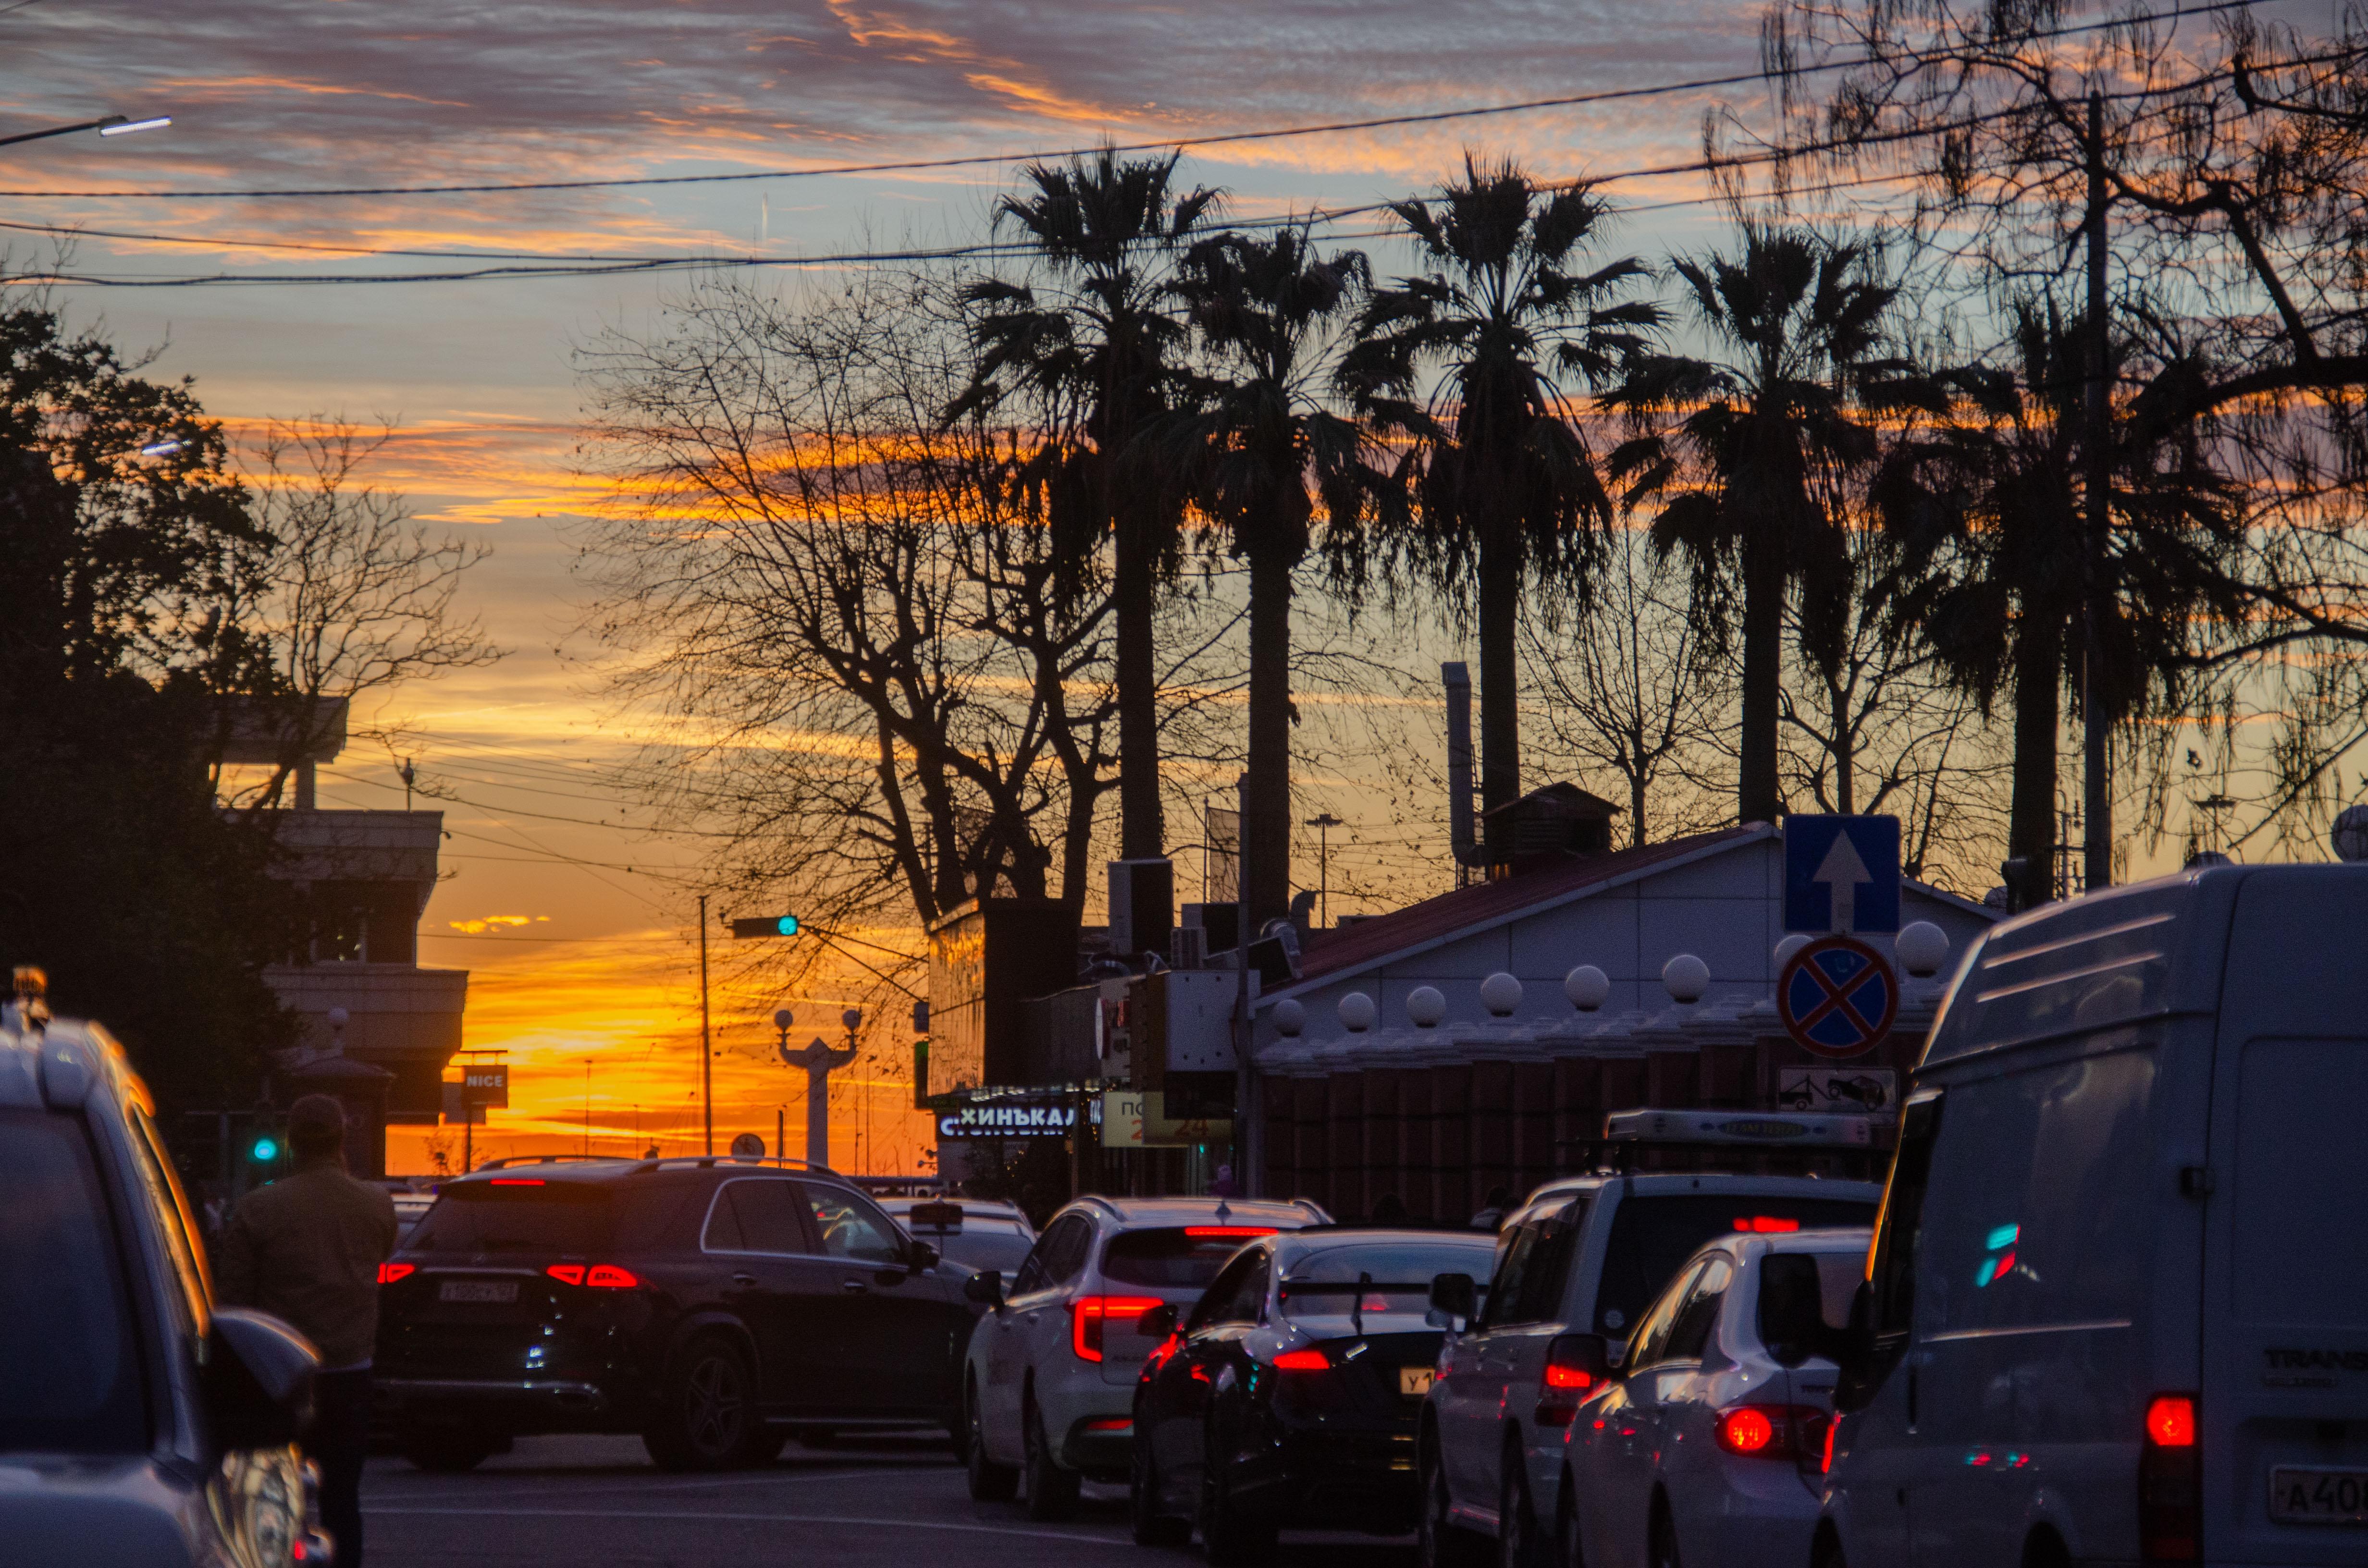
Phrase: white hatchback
[1705,1448]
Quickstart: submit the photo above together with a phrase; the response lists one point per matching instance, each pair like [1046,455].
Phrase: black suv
[712,1305]
[138,1422]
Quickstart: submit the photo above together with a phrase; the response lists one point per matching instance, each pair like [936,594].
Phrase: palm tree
[1501,484]
[1101,339]
[1749,475]
[1989,510]
[1255,434]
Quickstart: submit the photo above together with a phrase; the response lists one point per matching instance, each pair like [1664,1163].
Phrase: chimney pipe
[1463,834]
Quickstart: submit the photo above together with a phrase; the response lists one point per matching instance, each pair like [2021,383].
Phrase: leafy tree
[1098,335]
[1254,435]
[1749,473]
[1502,486]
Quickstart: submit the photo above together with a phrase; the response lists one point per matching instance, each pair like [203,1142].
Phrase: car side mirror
[259,1380]
[922,1256]
[1451,1298]
[1586,1353]
[1158,1322]
[985,1288]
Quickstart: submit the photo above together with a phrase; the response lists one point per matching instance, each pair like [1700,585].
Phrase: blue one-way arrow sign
[1841,873]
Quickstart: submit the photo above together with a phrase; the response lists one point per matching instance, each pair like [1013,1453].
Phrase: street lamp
[1324,822]
[112,125]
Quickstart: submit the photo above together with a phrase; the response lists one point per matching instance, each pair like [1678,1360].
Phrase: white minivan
[2116,1309]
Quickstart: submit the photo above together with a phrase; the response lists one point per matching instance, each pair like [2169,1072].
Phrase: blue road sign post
[1837,997]
[1841,873]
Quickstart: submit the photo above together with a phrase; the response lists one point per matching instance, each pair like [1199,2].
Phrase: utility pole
[1245,1181]
[706,1052]
[2096,783]
[1324,822]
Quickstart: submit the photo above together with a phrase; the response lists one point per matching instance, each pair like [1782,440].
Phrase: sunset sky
[576,925]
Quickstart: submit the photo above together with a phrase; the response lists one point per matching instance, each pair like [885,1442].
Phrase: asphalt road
[598,1503]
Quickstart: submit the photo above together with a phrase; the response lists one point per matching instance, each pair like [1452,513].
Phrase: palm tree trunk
[1500,708]
[1763,658]
[1266,835]
[1134,600]
[2038,717]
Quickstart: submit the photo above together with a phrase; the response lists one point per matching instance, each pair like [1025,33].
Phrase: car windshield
[70,1381]
[1652,1235]
[1354,1282]
[516,1215]
[1185,1257]
[999,1250]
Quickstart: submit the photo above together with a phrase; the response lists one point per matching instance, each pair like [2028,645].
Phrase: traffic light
[766,925]
[265,1149]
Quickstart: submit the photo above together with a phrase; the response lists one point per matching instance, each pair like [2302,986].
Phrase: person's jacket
[307,1248]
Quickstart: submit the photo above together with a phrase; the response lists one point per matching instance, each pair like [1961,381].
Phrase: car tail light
[1569,1377]
[1088,1314]
[1303,1361]
[1229,1230]
[2170,1475]
[388,1273]
[1110,1423]
[597,1277]
[1766,1225]
[566,1273]
[1826,1458]
[517,1181]
[1773,1431]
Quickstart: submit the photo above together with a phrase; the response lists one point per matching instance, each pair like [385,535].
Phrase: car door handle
[744,1279]
[853,1287]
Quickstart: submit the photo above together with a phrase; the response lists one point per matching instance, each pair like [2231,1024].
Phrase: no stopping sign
[1837,997]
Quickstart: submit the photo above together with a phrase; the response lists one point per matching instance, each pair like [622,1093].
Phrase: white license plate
[1413,1381]
[2299,1496]
[488,1291]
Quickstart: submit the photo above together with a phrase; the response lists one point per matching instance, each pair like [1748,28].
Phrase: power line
[1323,128]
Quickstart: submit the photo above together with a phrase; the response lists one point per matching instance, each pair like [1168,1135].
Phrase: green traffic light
[788,924]
[266,1151]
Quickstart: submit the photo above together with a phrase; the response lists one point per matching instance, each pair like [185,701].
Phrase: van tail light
[1571,1374]
[597,1277]
[1089,1314]
[1826,1458]
[1796,1432]
[2170,1482]
[1303,1361]
[388,1273]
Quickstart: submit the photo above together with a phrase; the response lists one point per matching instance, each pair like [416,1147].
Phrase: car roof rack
[508,1161]
[709,1162]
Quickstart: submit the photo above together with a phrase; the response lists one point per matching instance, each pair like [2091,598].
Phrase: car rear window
[1384,1278]
[517,1215]
[70,1379]
[1185,1257]
[1651,1236]
[1002,1251]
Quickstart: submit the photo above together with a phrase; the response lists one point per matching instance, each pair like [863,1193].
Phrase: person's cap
[317,1119]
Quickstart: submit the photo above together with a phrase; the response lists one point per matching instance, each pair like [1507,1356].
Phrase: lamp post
[111,125]
[1324,822]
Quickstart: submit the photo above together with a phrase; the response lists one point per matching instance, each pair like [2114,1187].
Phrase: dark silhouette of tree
[1748,475]
[1502,487]
[1097,335]
[1254,436]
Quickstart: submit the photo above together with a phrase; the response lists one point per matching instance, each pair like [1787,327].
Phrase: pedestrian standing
[307,1248]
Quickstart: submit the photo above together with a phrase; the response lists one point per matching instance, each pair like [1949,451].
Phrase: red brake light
[1303,1361]
[517,1181]
[2171,1421]
[388,1273]
[1745,1430]
[1088,1314]
[1110,1424]
[566,1273]
[1229,1230]
[1826,1461]
[609,1277]
[2170,1482]
[1567,1378]
[1766,1225]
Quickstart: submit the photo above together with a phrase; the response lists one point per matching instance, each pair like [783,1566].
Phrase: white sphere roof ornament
[1290,1018]
[1588,987]
[1426,1006]
[1501,994]
[1921,947]
[1687,977]
[1789,946]
[1357,1013]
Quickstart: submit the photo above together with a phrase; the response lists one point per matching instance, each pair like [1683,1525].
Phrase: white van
[2117,1304]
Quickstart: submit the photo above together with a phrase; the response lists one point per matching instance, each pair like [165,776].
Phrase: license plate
[1413,1381]
[2300,1496]
[487,1290]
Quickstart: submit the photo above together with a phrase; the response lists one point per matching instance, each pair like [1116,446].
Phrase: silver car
[1706,1447]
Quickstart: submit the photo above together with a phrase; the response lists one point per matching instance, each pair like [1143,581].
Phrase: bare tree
[1637,687]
